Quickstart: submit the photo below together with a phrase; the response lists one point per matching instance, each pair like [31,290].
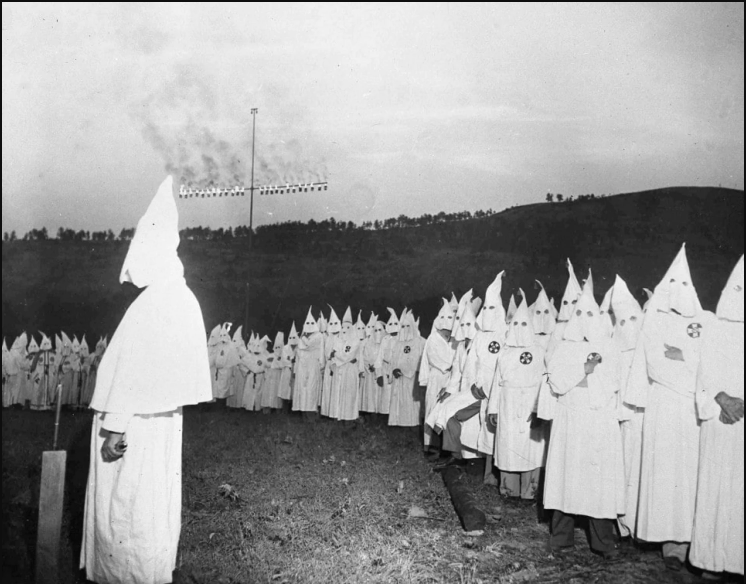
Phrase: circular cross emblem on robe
[407,349]
[348,349]
[694,330]
[494,347]
[526,358]
[594,357]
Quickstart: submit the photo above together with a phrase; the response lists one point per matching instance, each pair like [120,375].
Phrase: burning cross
[407,349]
[526,358]
[693,330]
[494,347]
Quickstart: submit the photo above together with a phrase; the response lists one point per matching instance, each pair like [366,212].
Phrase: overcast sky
[403,108]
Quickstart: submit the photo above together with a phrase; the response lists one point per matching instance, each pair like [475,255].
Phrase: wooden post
[50,516]
[51,499]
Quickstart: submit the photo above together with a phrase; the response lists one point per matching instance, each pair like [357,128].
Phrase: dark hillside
[73,286]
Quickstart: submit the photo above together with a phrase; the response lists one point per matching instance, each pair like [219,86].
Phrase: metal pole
[254,111]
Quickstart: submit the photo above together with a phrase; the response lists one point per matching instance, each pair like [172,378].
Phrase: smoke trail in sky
[205,142]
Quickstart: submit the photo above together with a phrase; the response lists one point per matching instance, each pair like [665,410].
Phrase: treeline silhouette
[270,231]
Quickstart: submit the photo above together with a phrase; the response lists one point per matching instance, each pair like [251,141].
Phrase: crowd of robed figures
[636,414]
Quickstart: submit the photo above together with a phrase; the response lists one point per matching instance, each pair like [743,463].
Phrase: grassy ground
[274,498]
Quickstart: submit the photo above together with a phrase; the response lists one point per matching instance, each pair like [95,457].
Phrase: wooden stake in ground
[50,507]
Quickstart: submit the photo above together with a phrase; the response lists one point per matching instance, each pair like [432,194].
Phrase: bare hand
[114,446]
[731,408]
[477,392]
[673,353]
[353,361]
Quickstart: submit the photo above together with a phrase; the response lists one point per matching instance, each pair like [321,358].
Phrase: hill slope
[73,286]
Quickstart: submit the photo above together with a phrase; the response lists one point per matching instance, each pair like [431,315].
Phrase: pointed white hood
[334,325]
[730,306]
[627,315]
[84,348]
[492,317]
[279,342]
[570,297]
[606,310]
[214,336]
[19,344]
[379,331]
[444,320]
[542,313]
[586,323]
[406,327]
[453,303]
[293,336]
[152,257]
[46,343]
[32,346]
[310,326]
[512,307]
[465,326]
[392,326]
[520,328]
[676,290]
[238,336]
[370,327]
[360,327]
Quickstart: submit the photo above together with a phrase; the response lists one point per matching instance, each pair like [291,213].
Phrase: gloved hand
[372,368]
[379,381]
[731,408]
[477,392]
[673,353]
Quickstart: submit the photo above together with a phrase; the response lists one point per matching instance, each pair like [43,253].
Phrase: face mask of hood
[520,329]
[444,320]
[586,324]
[542,318]
[334,325]
[730,306]
[570,297]
[392,326]
[628,315]
[493,314]
[676,291]
[310,326]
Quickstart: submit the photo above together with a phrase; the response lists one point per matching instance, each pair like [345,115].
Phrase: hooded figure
[293,338]
[717,538]
[26,391]
[86,389]
[332,342]
[361,327]
[406,401]
[628,321]
[240,371]
[156,363]
[66,376]
[369,390]
[543,317]
[308,367]
[520,439]
[345,392]
[270,398]
[435,368]
[512,307]
[477,434]
[95,361]
[567,308]
[16,367]
[43,372]
[286,377]
[663,381]
[585,466]
[226,359]
[456,397]
[384,360]
[259,363]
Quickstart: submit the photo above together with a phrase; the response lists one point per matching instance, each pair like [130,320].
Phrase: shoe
[558,549]
[432,456]
[442,464]
[673,563]
[708,576]
[611,555]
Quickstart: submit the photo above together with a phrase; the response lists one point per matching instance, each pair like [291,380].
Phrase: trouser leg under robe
[602,534]
[672,549]
[452,431]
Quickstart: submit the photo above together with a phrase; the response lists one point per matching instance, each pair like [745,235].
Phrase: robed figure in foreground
[155,364]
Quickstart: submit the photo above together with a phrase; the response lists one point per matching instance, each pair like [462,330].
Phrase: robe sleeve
[566,367]
[635,389]
[424,374]
[116,422]
[494,391]
[711,380]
